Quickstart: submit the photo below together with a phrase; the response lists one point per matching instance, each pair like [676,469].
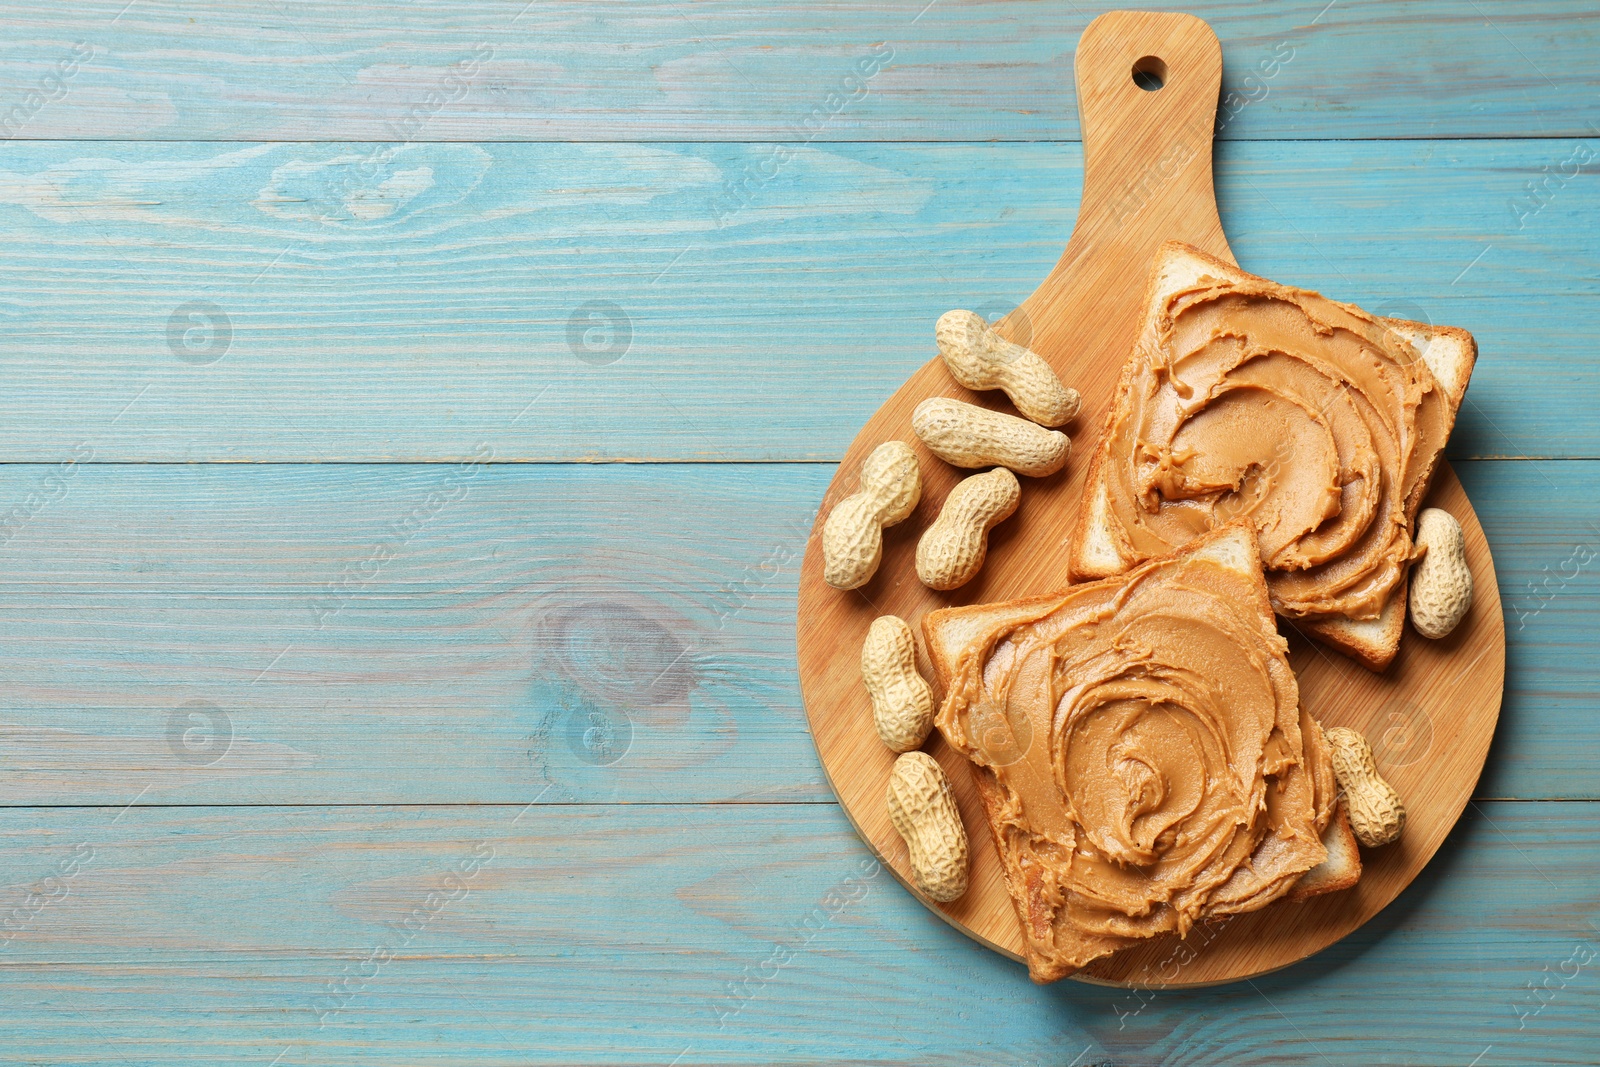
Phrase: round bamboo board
[1430,716]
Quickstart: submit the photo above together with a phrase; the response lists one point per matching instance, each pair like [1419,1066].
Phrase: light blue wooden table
[413,415]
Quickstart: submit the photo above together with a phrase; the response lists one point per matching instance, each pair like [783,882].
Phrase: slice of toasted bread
[1028,809]
[1100,547]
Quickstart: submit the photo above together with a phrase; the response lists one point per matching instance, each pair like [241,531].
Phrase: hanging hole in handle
[1149,73]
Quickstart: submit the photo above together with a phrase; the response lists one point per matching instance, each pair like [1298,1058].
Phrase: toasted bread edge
[1342,868]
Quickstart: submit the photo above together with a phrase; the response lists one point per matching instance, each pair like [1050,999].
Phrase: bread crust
[1342,868]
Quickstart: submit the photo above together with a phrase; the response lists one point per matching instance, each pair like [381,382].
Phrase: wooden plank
[1549,585]
[721,70]
[756,934]
[580,302]
[408,634]
[466,643]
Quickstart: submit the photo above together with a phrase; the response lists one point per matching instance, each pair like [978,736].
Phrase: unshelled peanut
[952,550]
[1376,813]
[979,358]
[922,807]
[852,538]
[1441,584]
[902,702]
[966,435]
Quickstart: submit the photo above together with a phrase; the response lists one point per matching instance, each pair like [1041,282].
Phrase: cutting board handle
[1147,149]
[1146,179]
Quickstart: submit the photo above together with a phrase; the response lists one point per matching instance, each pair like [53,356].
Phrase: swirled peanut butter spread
[1307,418]
[1142,753]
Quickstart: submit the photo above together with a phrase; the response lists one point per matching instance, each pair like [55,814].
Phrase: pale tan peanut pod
[902,702]
[951,551]
[979,358]
[1376,812]
[852,538]
[922,807]
[965,435]
[1441,584]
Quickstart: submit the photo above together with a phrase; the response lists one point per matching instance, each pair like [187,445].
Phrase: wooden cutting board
[1147,178]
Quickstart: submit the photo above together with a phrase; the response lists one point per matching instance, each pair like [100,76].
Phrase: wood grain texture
[574,633]
[406,299]
[415,309]
[634,935]
[718,69]
[1147,180]
[143,588]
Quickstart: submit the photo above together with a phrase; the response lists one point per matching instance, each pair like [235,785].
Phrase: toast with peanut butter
[1141,753]
[1315,422]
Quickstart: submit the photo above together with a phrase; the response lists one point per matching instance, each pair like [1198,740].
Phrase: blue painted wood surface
[751,934]
[179,302]
[430,741]
[654,70]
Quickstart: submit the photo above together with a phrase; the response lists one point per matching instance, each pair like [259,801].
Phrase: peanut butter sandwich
[1315,422]
[1140,750]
